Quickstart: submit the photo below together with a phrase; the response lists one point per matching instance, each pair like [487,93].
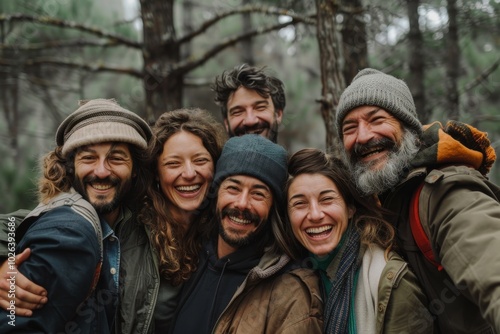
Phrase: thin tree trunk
[452,62]
[354,39]
[332,78]
[163,87]
[417,67]
[247,44]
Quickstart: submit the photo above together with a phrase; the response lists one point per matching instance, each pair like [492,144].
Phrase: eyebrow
[323,192]
[254,186]
[266,102]
[369,114]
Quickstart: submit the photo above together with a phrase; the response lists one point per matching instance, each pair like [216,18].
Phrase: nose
[315,213]
[364,133]
[241,203]
[102,169]
[250,118]
[189,171]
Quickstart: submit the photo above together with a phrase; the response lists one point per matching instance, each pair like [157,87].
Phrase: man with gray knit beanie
[438,175]
[90,184]
[244,283]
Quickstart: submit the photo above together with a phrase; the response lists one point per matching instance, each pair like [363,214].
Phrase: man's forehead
[105,146]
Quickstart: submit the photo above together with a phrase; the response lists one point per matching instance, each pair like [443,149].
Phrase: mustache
[245,214]
[256,127]
[361,149]
[113,180]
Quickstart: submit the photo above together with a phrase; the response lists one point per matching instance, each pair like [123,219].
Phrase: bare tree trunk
[247,44]
[452,61]
[417,67]
[354,39]
[332,78]
[163,87]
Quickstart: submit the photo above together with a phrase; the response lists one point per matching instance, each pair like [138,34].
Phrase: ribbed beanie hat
[374,88]
[255,156]
[102,120]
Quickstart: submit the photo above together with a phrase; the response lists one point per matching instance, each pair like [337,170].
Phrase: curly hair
[368,217]
[178,242]
[251,78]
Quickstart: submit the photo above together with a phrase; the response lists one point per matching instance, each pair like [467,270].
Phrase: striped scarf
[338,304]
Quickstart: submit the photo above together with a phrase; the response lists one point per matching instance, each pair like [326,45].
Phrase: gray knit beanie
[374,88]
[255,156]
[102,120]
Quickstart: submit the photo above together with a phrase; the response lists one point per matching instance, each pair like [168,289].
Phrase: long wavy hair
[58,175]
[178,242]
[368,218]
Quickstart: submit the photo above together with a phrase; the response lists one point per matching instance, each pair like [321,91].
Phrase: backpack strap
[78,204]
[421,238]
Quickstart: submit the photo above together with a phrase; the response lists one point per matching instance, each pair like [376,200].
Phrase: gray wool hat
[102,120]
[255,156]
[371,87]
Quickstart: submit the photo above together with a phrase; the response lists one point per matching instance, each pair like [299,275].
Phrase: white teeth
[188,188]
[239,220]
[321,229]
[101,186]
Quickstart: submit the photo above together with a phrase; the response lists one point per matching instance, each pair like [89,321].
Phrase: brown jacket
[272,302]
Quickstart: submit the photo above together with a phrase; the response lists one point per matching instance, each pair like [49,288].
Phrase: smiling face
[185,171]
[248,112]
[318,213]
[370,134]
[243,206]
[103,176]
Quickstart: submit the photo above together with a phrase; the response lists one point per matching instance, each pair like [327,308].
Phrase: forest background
[154,56]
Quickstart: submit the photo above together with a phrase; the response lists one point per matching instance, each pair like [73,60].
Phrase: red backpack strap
[418,231]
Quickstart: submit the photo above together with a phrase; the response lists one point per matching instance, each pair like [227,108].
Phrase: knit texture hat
[255,156]
[101,120]
[374,88]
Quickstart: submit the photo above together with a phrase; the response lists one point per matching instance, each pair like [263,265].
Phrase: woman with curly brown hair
[185,147]
[367,287]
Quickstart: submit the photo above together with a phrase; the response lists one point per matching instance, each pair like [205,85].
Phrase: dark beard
[101,207]
[242,241]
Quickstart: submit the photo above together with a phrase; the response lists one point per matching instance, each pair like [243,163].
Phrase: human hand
[17,290]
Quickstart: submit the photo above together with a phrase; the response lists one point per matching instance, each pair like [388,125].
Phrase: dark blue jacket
[65,254]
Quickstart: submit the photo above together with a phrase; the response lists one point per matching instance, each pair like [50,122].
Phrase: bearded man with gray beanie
[393,156]
[90,184]
[244,282]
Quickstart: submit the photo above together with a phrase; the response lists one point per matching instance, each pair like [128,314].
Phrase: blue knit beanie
[255,156]
[374,88]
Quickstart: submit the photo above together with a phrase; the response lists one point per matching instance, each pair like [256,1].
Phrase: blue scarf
[338,306]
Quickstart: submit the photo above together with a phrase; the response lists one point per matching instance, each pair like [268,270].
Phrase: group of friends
[216,228]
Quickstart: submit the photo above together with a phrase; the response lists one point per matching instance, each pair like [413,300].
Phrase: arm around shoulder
[65,253]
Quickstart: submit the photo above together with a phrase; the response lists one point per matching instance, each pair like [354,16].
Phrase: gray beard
[370,181]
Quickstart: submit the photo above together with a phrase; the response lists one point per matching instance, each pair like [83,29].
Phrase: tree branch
[66,63]
[188,65]
[51,21]
[244,10]
[482,77]
[58,44]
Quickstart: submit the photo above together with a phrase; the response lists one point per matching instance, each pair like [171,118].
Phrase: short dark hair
[250,77]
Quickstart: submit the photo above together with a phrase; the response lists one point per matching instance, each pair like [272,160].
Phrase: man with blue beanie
[244,283]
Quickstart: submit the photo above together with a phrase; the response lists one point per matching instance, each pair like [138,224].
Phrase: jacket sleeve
[65,253]
[464,227]
[8,222]
[402,305]
[296,305]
